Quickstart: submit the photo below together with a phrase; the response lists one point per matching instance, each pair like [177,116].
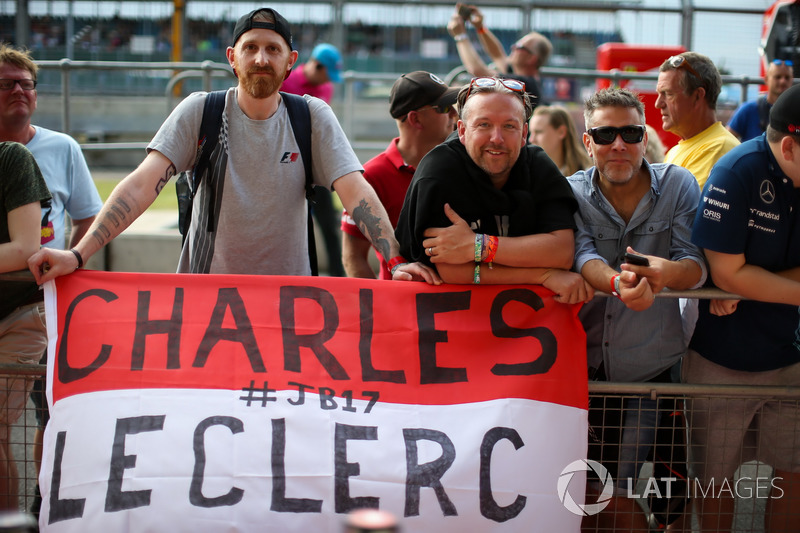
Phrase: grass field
[165,201]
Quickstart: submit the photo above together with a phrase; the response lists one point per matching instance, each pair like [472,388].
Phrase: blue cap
[329,56]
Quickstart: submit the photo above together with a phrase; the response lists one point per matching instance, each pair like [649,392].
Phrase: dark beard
[260,87]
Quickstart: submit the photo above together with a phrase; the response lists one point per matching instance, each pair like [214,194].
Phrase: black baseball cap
[785,113]
[418,89]
[246,23]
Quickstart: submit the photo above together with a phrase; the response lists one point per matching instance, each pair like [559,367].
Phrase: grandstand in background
[368,47]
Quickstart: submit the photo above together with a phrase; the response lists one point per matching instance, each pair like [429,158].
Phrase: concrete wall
[153,244]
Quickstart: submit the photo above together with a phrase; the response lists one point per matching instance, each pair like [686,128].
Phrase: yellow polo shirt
[699,153]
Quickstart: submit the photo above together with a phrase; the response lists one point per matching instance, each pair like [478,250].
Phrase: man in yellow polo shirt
[688,87]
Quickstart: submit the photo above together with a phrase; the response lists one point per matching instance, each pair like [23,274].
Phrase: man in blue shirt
[750,120]
[748,224]
[627,205]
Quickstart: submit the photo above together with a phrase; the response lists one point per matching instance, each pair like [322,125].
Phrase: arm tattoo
[117,213]
[370,226]
[163,181]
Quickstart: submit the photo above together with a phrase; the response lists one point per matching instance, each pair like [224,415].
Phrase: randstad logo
[289,157]
[565,478]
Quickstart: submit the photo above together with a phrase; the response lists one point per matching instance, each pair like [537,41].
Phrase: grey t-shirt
[261,206]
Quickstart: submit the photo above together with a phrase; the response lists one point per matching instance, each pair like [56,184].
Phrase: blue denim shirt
[636,345]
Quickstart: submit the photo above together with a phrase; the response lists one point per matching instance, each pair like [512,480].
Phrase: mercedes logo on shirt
[767,191]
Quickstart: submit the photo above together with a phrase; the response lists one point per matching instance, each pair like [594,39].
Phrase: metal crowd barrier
[753,488]
[756,489]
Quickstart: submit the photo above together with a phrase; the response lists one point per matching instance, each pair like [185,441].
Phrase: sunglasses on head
[781,62]
[677,62]
[512,85]
[608,134]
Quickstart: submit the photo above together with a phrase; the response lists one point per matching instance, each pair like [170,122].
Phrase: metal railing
[605,398]
[750,511]
[209,70]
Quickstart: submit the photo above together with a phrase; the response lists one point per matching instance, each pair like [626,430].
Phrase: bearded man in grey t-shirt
[260,205]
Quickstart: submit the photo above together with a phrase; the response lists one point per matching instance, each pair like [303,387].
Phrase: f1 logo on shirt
[289,157]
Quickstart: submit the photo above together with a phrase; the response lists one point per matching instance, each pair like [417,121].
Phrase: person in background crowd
[251,188]
[316,78]
[528,55]
[747,223]
[424,109]
[751,119]
[23,335]
[655,148]
[620,202]
[688,87]
[552,128]
[65,171]
[486,207]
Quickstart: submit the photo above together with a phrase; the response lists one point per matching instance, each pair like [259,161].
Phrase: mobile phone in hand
[636,259]
[465,12]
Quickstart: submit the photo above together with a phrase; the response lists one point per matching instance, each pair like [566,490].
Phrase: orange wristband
[615,285]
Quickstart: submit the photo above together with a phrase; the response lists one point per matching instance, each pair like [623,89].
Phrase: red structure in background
[638,58]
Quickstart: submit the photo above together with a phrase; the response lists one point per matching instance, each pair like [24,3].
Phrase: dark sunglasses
[512,85]
[608,134]
[677,62]
[781,62]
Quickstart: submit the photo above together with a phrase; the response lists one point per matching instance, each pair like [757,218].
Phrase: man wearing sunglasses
[486,207]
[527,56]
[751,119]
[688,87]
[747,224]
[625,205]
[424,109]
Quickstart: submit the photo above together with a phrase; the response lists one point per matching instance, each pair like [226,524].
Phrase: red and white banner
[208,403]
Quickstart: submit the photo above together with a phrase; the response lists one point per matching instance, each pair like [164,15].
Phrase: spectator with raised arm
[527,56]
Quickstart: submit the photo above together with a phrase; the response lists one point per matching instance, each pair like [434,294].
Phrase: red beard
[260,86]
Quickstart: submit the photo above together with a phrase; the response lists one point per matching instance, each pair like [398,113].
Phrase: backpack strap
[300,118]
[207,140]
[763,113]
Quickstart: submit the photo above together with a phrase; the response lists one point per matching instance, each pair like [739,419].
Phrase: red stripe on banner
[408,343]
